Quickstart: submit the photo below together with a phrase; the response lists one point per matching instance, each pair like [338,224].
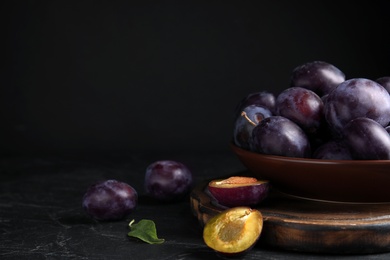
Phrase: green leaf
[145,230]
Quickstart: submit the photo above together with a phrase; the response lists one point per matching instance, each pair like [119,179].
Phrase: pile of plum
[321,115]
[164,180]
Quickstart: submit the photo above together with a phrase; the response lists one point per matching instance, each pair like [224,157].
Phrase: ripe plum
[277,135]
[110,200]
[367,139]
[318,76]
[355,98]
[385,82]
[333,150]
[262,98]
[302,106]
[245,122]
[167,180]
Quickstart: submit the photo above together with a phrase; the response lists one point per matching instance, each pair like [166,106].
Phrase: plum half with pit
[239,191]
[233,231]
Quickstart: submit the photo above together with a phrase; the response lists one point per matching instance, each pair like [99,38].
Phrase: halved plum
[239,191]
[234,231]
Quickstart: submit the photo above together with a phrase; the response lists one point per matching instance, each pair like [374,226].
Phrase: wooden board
[304,225]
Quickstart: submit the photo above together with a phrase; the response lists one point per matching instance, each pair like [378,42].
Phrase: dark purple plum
[262,98]
[385,82]
[387,128]
[167,180]
[302,106]
[367,139]
[318,76]
[324,97]
[333,150]
[245,122]
[355,98]
[110,200]
[277,135]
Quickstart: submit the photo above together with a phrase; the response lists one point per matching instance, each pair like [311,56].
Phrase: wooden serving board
[304,225]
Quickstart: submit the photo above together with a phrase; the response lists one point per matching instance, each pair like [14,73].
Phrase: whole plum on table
[277,135]
[367,139]
[167,180]
[318,76]
[355,98]
[245,122]
[110,200]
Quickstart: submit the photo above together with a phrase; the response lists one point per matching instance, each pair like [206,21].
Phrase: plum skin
[302,106]
[167,180]
[333,150]
[233,231]
[357,97]
[110,200]
[318,76]
[367,139]
[278,135]
[245,122]
[263,99]
[239,191]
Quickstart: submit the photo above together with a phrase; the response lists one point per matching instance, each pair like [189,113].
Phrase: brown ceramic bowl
[356,181]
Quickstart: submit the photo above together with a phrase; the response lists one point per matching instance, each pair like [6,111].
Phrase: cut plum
[239,191]
[234,231]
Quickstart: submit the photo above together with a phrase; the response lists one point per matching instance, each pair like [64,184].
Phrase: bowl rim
[243,151]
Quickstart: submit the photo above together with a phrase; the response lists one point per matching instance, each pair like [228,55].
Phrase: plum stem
[243,113]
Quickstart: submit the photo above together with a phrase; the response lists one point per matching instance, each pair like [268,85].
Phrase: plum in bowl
[352,181]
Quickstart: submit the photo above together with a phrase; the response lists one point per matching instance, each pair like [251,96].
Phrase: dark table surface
[41,215]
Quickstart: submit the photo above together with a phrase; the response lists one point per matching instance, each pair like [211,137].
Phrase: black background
[125,76]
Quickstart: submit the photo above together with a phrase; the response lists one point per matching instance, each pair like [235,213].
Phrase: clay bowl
[352,181]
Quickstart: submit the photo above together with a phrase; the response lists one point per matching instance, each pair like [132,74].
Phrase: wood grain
[303,225]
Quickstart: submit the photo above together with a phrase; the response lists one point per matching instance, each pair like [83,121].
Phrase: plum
[367,139]
[318,76]
[245,122]
[233,231]
[333,150]
[387,128]
[278,135]
[357,97]
[168,180]
[302,106]
[110,200]
[385,82]
[239,191]
[264,99]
